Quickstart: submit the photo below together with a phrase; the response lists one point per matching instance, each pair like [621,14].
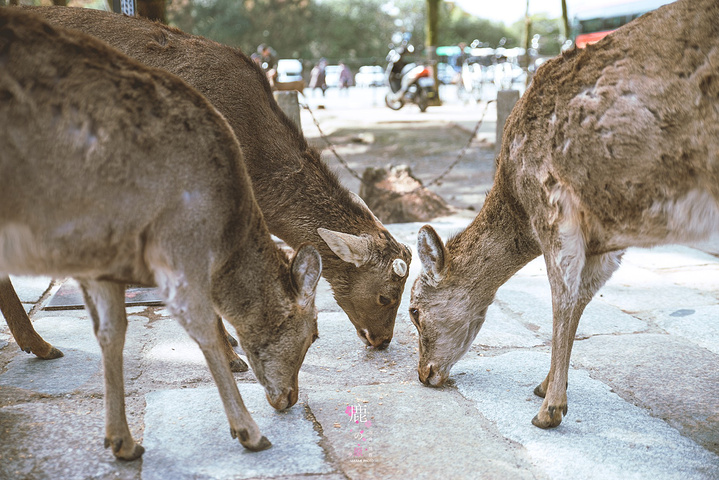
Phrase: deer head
[276,350]
[370,282]
[444,308]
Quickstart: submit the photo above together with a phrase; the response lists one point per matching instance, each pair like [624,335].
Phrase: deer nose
[370,340]
[284,400]
[431,375]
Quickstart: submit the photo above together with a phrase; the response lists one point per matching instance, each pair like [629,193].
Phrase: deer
[114,172]
[610,147]
[301,198]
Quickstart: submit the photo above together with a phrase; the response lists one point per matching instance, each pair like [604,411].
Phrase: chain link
[433,182]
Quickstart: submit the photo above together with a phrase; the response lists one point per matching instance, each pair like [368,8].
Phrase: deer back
[296,191]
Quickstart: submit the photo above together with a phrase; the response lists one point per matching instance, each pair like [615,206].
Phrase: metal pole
[128,7]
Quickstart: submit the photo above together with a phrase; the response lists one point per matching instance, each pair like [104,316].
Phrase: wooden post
[287,100]
[505,103]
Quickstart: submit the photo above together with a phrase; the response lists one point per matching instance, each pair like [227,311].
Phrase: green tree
[548,29]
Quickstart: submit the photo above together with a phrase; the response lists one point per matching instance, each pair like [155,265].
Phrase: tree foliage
[356,31]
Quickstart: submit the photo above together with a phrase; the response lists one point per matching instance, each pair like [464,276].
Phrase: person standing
[345,78]
[317,76]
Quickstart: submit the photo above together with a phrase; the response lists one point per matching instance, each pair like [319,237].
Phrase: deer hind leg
[106,303]
[196,314]
[228,341]
[20,325]
[568,306]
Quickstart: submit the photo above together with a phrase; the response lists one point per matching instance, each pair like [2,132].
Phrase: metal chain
[433,182]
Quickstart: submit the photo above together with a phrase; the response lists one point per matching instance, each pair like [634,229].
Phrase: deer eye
[384,300]
[414,316]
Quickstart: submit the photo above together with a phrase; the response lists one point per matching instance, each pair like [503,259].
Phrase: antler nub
[399,267]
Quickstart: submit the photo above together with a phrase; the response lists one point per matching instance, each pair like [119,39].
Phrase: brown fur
[611,147]
[294,188]
[113,172]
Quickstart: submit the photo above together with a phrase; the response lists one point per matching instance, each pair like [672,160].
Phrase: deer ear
[306,269]
[350,248]
[362,203]
[432,252]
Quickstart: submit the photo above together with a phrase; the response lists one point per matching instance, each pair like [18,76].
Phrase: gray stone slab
[60,440]
[187,435]
[668,257]
[528,299]
[30,289]
[697,324]
[63,375]
[503,329]
[339,356]
[672,377]
[405,430]
[172,358]
[81,365]
[602,437]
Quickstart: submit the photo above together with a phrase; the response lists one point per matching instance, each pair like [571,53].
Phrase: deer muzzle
[285,399]
[432,376]
[379,342]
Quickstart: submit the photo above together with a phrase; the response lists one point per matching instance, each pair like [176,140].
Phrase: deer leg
[106,303]
[200,322]
[568,309]
[20,325]
[234,360]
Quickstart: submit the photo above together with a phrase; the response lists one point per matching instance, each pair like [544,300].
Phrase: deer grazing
[301,199]
[114,172]
[613,146]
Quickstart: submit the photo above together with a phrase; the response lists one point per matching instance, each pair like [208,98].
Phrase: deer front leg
[20,325]
[106,303]
[234,360]
[242,425]
[199,324]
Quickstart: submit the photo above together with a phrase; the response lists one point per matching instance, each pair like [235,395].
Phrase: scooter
[408,82]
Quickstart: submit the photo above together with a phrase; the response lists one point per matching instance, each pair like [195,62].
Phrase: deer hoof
[539,391]
[551,419]
[263,444]
[128,454]
[244,437]
[238,365]
[53,354]
[232,340]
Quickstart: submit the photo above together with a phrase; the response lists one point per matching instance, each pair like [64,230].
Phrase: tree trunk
[60,3]
[432,37]
[565,20]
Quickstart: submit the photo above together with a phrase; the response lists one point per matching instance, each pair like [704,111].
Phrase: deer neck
[256,270]
[498,243]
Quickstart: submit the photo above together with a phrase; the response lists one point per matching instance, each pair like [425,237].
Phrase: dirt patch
[428,150]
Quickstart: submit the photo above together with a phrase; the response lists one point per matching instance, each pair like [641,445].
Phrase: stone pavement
[643,391]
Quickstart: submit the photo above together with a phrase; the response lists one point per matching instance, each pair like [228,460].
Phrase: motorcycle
[408,82]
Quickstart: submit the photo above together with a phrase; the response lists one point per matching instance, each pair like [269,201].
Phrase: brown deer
[613,146]
[301,199]
[113,172]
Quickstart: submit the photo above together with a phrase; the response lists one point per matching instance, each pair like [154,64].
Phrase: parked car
[370,76]
[446,73]
[332,75]
[289,70]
